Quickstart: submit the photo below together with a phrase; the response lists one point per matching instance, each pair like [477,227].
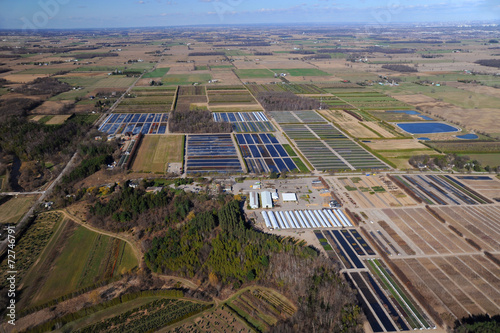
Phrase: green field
[14,209]
[301,72]
[254,73]
[86,257]
[186,79]
[88,84]
[44,70]
[159,72]
[31,244]
[493,160]
[156,151]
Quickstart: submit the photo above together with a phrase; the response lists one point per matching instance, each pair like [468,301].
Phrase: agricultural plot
[226,97]
[57,120]
[147,101]
[306,219]
[455,287]
[156,152]
[263,153]
[389,310]
[321,156]
[185,79]
[254,73]
[29,247]
[374,192]
[149,317]
[245,122]
[301,89]
[295,117]
[135,123]
[478,224]
[355,155]
[86,257]
[309,117]
[261,308]
[326,132]
[222,319]
[371,100]
[301,72]
[214,153]
[159,72]
[298,132]
[354,127]
[488,186]
[14,209]
[425,233]
[442,190]
[399,115]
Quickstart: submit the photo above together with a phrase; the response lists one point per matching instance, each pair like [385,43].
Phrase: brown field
[57,120]
[14,209]
[488,188]
[51,107]
[348,123]
[485,234]
[460,286]
[157,151]
[365,197]
[396,144]
[486,122]
[23,78]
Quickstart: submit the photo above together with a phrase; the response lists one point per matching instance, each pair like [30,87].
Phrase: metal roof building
[254,200]
[289,197]
[266,199]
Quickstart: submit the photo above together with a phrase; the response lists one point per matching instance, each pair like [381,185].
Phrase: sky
[67,14]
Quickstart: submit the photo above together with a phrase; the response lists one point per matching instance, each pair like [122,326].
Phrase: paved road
[21,193]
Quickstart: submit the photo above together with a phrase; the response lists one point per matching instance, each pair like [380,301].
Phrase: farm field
[78,258]
[442,190]
[301,72]
[455,287]
[253,73]
[263,153]
[211,153]
[185,79]
[32,244]
[353,126]
[145,123]
[15,208]
[158,72]
[493,159]
[379,306]
[153,315]
[375,191]
[57,120]
[246,122]
[489,186]
[251,309]
[156,152]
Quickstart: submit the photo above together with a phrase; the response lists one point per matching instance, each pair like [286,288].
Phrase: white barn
[266,199]
[254,200]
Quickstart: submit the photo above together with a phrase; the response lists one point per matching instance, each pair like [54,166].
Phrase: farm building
[275,196]
[289,197]
[254,200]
[266,199]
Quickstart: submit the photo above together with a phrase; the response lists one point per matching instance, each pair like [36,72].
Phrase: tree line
[286,101]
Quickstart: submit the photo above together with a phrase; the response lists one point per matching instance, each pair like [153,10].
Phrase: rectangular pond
[427,128]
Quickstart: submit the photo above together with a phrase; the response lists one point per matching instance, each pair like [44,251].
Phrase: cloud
[141,2]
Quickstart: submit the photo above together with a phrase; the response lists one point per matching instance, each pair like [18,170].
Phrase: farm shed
[289,197]
[254,200]
[266,199]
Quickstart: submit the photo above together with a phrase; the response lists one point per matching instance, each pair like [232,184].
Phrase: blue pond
[404,111]
[468,136]
[423,128]
[424,139]
[411,112]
